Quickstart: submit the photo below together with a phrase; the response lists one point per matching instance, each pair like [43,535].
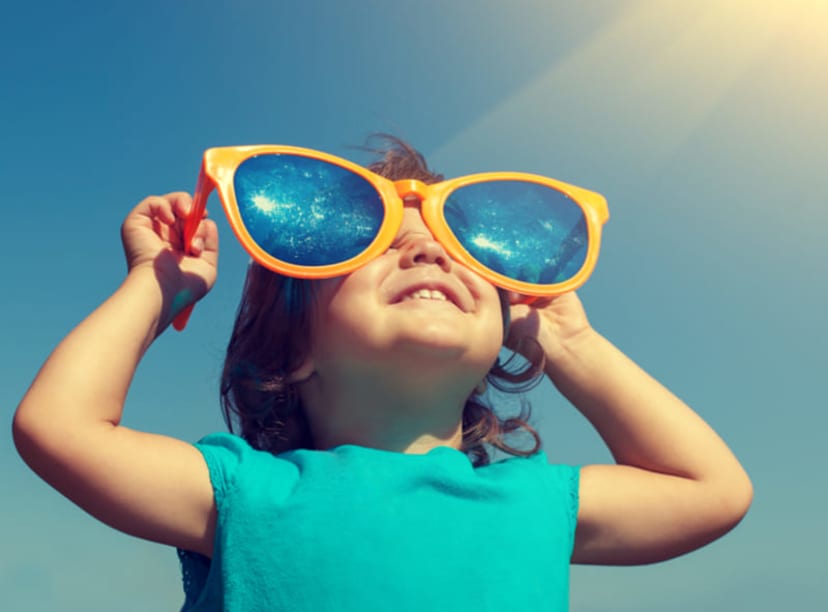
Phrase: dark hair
[271,335]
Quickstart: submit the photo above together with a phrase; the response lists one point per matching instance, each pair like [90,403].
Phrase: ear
[303,372]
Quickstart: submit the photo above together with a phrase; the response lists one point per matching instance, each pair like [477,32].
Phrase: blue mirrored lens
[523,230]
[306,211]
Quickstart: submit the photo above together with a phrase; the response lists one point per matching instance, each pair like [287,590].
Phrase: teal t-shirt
[356,528]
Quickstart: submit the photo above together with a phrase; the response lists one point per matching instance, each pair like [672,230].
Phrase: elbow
[734,497]
[19,434]
[23,436]
[743,497]
[34,440]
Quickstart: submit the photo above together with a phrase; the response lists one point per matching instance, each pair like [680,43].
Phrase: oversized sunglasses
[308,214]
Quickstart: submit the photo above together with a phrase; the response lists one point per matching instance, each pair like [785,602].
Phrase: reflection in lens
[306,211]
[523,230]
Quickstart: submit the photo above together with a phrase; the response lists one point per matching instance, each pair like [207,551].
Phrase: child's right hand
[152,236]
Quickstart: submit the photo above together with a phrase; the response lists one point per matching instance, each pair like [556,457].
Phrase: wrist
[157,296]
[573,354]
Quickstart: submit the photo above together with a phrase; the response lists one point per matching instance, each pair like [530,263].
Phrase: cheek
[343,311]
[493,301]
[488,334]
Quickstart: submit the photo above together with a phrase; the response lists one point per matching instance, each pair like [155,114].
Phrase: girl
[361,479]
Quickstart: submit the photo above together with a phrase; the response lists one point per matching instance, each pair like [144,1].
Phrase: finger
[181,203]
[519,298]
[541,302]
[517,311]
[158,209]
[515,297]
[208,230]
[205,239]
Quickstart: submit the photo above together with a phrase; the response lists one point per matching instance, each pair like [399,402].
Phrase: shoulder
[538,465]
[233,462]
[557,483]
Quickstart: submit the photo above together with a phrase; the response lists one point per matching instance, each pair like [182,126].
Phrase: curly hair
[270,339]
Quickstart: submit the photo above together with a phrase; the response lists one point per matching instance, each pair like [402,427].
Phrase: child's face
[411,306]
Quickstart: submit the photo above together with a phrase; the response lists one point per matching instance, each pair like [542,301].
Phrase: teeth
[426,294]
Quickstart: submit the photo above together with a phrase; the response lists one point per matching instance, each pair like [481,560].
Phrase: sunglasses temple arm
[203,188]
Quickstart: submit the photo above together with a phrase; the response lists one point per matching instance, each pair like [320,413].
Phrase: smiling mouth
[426,294]
[432,293]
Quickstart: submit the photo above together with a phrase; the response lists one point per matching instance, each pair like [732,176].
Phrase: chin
[449,345]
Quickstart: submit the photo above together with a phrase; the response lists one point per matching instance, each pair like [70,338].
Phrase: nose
[420,248]
[417,245]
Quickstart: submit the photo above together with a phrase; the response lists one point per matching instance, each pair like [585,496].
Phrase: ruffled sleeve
[563,483]
[223,453]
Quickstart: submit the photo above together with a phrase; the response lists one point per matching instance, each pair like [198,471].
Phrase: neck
[378,412]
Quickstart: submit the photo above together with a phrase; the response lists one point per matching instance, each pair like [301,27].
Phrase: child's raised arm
[67,428]
[675,486]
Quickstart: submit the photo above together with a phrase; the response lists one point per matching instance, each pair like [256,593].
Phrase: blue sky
[703,123]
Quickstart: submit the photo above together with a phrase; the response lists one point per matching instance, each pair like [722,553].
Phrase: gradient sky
[704,123]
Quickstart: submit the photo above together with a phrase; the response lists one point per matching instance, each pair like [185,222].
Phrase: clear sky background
[705,124]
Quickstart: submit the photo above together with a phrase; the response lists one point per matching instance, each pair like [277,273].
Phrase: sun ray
[684,59]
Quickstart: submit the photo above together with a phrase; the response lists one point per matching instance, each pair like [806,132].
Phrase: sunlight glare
[654,76]
[486,243]
[263,203]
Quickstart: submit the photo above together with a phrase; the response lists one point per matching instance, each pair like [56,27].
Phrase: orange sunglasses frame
[220,163]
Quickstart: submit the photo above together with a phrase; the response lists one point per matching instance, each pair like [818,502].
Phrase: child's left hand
[553,322]
[675,486]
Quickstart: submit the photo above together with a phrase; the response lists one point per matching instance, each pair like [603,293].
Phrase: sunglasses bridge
[411,188]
